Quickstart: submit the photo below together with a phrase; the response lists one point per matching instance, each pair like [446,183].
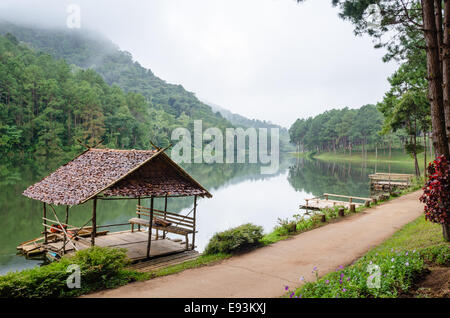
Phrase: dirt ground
[266,271]
[435,283]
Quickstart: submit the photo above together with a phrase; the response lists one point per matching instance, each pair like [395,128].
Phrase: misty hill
[88,49]
[241,121]
[171,104]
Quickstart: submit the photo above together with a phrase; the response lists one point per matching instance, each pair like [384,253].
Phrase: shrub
[99,267]
[286,226]
[436,194]
[235,240]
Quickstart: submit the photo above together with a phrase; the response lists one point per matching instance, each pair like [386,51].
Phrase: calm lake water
[240,195]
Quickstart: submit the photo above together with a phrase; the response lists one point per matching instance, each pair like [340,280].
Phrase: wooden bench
[181,225]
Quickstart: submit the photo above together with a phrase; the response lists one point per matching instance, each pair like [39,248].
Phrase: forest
[83,91]
[97,93]
[400,118]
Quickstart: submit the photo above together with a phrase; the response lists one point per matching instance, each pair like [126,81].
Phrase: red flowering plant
[436,194]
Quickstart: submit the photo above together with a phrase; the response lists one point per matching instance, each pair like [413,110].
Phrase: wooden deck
[319,204]
[164,261]
[134,242]
[386,181]
[324,201]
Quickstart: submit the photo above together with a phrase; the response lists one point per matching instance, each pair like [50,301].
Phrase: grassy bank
[397,157]
[99,268]
[401,260]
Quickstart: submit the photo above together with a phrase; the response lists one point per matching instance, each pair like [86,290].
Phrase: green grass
[397,156]
[202,260]
[415,235]
[402,259]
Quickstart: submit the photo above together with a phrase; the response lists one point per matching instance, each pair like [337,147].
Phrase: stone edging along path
[265,272]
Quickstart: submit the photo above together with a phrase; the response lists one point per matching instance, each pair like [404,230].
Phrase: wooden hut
[110,174]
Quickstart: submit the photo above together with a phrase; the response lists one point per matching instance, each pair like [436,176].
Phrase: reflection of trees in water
[346,178]
[320,177]
[21,217]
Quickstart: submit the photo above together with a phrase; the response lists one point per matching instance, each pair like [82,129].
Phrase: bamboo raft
[324,201]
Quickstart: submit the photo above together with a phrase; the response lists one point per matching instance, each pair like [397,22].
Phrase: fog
[267,59]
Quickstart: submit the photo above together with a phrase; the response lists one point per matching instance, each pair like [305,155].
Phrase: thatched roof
[110,172]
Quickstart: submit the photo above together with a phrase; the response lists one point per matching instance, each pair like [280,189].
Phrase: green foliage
[100,268]
[235,240]
[397,273]
[287,226]
[83,87]
[338,129]
[402,258]
[439,254]
[198,262]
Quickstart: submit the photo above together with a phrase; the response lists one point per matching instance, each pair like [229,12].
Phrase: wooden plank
[145,209]
[391,183]
[322,204]
[346,196]
[165,261]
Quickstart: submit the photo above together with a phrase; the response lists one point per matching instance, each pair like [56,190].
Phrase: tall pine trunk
[434,78]
[425,154]
[446,68]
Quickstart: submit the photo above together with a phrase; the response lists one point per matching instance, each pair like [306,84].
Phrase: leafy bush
[397,271]
[99,267]
[235,240]
[286,226]
[436,193]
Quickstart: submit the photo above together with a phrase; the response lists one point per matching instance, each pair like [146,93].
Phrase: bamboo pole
[195,211]
[165,214]
[139,216]
[94,221]
[62,227]
[45,222]
[67,221]
[149,243]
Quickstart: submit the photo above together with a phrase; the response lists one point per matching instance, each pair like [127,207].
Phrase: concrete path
[266,271]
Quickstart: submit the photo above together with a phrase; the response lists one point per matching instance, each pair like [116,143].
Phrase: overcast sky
[267,59]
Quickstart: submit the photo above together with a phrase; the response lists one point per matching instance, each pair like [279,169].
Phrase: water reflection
[240,195]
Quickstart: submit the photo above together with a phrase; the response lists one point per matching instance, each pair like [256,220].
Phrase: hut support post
[45,222]
[165,214]
[67,222]
[94,221]
[149,243]
[139,216]
[195,220]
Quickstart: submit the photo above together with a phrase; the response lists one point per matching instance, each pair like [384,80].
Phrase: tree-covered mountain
[46,106]
[89,50]
[241,121]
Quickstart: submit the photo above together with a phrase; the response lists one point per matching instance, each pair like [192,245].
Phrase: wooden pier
[324,201]
[135,243]
[389,181]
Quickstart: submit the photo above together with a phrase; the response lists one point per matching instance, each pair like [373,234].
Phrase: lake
[240,195]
